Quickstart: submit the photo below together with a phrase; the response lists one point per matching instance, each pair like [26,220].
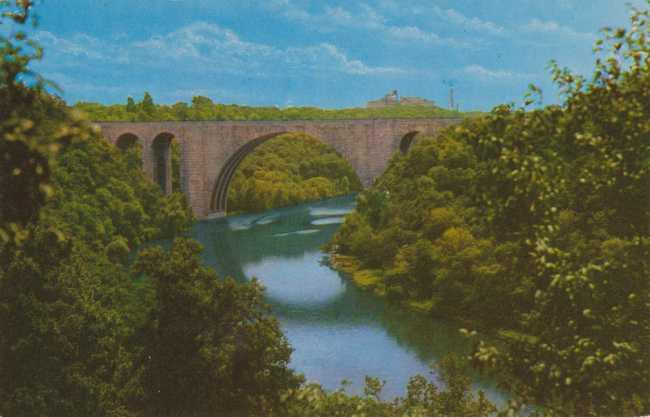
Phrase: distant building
[416,101]
[393,99]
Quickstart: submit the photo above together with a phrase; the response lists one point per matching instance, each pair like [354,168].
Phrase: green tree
[180,111]
[533,224]
[423,398]
[65,318]
[211,348]
[147,106]
[130,105]
[581,346]
[30,127]
[74,321]
[69,309]
[202,108]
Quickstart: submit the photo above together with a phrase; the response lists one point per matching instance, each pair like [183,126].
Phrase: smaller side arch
[162,161]
[407,140]
[131,147]
[126,141]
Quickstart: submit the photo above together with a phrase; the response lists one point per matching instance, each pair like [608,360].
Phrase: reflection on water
[328,220]
[299,232]
[290,285]
[338,332]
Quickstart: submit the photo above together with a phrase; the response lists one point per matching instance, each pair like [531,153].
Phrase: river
[338,332]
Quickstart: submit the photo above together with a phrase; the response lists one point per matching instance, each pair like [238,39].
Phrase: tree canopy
[533,223]
[530,223]
[78,325]
[290,169]
[211,347]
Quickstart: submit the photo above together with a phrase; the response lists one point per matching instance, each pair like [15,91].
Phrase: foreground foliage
[81,332]
[541,218]
[210,346]
[290,169]
[422,398]
[536,222]
[80,335]
[69,308]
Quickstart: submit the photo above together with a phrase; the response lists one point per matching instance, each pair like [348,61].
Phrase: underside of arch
[126,141]
[407,141]
[219,199]
[162,169]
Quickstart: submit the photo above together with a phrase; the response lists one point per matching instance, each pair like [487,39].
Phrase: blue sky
[324,53]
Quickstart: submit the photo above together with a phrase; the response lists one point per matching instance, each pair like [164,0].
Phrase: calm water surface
[337,331]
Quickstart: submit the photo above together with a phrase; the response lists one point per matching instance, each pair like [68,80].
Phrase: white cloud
[71,84]
[86,90]
[485,74]
[451,16]
[206,48]
[485,27]
[471,23]
[354,66]
[367,18]
[79,45]
[565,4]
[551,27]
[382,20]
[412,33]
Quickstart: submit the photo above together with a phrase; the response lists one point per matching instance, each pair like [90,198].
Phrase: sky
[326,53]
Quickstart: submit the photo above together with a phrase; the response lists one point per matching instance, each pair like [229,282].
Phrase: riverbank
[372,280]
[337,330]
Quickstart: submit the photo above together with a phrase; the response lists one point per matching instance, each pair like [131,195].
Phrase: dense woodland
[203,108]
[532,224]
[83,330]
[87,328]
[85,333]
[290,169]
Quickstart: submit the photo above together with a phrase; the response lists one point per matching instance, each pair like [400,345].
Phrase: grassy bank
[372,280]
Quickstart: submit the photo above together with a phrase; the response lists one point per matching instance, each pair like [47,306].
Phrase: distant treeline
[203,108]
[290,169]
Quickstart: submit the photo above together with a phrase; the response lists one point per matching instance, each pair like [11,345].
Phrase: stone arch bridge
[212,150]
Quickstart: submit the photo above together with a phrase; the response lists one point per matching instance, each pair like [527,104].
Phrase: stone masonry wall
[206,146]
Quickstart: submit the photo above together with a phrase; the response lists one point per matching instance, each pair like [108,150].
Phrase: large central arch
[219,200]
